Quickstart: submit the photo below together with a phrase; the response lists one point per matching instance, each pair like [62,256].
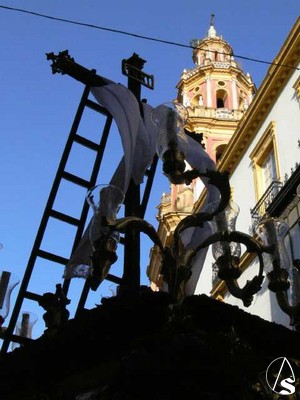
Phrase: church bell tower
[216,93]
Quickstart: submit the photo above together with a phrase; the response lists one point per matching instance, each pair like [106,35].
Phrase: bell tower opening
[221,98]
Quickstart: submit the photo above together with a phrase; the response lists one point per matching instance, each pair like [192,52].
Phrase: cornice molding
[203,72]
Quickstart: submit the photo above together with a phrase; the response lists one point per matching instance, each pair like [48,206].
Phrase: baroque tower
[216,93]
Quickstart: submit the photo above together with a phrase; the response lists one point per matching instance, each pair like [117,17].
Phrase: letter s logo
[280,376]
[286,383]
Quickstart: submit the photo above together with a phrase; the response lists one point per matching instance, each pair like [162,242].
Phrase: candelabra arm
[191,221]
[248,291]
[176,274]
[127,223]
[221,182]
[229,266]
[104,254]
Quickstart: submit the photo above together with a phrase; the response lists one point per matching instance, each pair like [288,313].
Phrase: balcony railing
[221,64]
[218,113]
[261,208]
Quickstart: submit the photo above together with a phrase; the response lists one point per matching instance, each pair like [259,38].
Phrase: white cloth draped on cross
[139,136]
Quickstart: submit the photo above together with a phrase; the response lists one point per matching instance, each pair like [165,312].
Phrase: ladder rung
[21,339]
[75,179]
[64,217]
[16,338]
[86,142]
[32,296]
[113,278]
[96,107]
[52,257]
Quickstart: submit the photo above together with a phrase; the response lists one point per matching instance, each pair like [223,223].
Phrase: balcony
[215,113]
[221,64]
[260,210]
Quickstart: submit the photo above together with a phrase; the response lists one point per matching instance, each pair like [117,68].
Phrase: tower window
[221,98]
[220,103]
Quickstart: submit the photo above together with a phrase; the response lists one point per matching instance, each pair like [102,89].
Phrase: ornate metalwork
[279,284]
[105,255]
[266,199]
[56,314]
[138,75]
[292,311]
[228,265]
[174,166]
[177,261]
[63,63]
[221,182]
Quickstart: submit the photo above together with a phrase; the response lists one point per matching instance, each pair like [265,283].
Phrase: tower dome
[216,91]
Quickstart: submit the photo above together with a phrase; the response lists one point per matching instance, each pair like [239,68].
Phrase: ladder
[51,213]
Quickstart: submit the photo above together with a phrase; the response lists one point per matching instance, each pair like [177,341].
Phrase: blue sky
[37,108]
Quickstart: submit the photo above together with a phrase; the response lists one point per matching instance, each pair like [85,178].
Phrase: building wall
[285,115]
[270,120]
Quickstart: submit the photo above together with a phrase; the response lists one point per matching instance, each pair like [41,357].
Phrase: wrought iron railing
[261,208]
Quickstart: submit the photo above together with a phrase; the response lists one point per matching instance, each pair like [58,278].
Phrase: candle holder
[105,201]
[8,281]
[24,326]
[171,140]
[284,278]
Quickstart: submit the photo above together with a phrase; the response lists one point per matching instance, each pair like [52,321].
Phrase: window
[220,103]
[266,169]
[221,98]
